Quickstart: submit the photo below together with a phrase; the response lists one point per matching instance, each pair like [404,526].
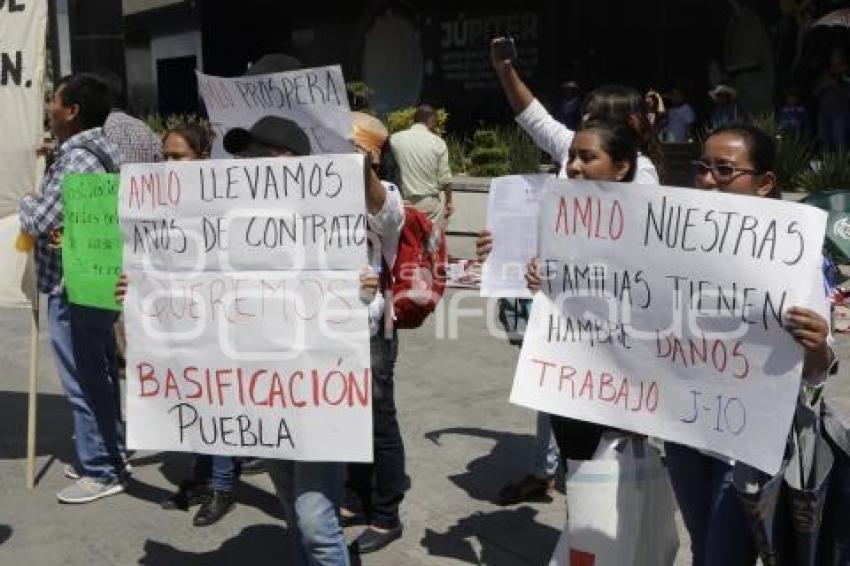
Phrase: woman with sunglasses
[737,159]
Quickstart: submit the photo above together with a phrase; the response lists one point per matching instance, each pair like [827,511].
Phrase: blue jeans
[311,493]
[84,346]
[720,534]
[546,455]
[221,471]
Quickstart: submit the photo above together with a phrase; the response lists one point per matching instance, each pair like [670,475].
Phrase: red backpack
[419,273]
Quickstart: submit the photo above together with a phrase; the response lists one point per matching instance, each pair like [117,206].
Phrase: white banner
[662,313]
[246,332]
[22,40]
[315,99]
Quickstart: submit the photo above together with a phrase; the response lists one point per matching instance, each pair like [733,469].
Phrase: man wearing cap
[726,107]
[311,492]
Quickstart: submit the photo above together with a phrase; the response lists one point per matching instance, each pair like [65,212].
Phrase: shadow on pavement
[54,426]
[5,533]
[175,467]
[258,545]
[491,538]
[508,460]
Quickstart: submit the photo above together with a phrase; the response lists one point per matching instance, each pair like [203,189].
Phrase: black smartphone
[505,49]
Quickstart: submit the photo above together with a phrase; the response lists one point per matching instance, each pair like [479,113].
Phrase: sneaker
[529,488]
[70,472]
[85,490]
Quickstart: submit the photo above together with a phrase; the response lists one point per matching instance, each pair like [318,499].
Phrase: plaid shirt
[41,214]
[137,142]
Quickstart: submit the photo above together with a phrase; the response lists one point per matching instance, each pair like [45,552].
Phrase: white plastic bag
[620,508]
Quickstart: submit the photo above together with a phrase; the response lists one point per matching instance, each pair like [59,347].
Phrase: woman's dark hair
[197,137]
[91,94]
[761,148]
[617,139]
[625,104]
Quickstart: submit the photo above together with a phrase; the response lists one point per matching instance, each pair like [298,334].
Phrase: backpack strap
[103,158]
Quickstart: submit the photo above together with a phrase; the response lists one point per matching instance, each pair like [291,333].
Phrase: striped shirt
[42,214]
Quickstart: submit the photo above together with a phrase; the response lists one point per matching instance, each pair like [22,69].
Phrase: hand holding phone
[503,51]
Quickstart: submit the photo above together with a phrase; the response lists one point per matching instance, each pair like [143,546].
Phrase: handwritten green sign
[91,239]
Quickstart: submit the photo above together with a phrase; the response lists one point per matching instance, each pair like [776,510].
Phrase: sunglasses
[722,171]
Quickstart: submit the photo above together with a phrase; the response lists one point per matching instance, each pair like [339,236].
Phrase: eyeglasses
[722,171]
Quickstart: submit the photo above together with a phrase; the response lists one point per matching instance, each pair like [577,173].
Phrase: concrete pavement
[463,440]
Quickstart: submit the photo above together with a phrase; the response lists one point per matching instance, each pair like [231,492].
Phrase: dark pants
[720,533]
[577,440]
[221,471]
[378,488]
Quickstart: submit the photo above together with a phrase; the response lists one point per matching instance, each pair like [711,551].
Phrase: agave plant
[831,170]
[793,152]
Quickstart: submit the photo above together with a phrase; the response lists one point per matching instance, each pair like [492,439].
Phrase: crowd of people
[820,116]
[611,135]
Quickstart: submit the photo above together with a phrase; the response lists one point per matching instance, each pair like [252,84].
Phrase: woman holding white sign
[211,478]
[736,159]
[611,102]
[600,151]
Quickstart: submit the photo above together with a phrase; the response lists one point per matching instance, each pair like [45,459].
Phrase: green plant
[793,153]
[402,119]
[360,95]
[523,155]
[159,124]
[458,153]
[489,155]
[831,170]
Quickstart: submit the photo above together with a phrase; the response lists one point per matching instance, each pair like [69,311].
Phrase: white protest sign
[246,332]
[662,313]
[512,211]
[315,99]
[22,40]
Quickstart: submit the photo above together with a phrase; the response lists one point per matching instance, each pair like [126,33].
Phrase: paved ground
[463,440]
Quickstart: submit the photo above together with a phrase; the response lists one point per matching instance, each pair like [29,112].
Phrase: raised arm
[519,95]
[548,134]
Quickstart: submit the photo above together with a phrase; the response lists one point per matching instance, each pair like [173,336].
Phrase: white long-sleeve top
[385,227]
[555,139]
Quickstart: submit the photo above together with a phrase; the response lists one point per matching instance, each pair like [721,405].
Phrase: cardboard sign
[245,328]
[23,28]
[315,99]
[91,239]
[662,312]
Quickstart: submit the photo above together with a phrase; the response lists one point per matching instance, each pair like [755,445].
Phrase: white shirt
[555,139]
[423,161]
[385,230]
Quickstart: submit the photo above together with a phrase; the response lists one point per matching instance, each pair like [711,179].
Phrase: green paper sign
[92,243]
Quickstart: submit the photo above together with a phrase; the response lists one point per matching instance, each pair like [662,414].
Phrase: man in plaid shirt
[83,337]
